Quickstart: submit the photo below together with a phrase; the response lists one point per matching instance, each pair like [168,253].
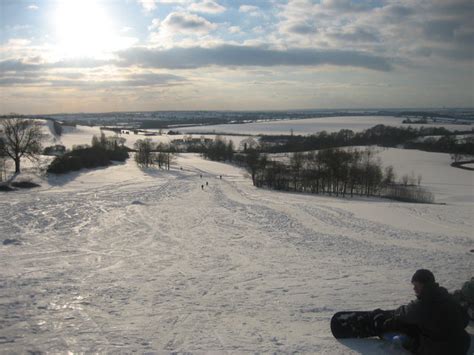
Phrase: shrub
[89,157]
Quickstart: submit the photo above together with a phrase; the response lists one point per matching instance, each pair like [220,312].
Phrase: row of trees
[101,153]
[149,154]
[338,172]
[21,138]
[331,171]
[381,135]
[334,171]
[219,150]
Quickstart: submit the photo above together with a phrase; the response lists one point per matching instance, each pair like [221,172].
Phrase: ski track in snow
[162,265]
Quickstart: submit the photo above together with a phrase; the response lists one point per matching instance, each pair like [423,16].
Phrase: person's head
[420,279]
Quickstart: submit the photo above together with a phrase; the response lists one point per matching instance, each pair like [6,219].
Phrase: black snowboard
[357,324]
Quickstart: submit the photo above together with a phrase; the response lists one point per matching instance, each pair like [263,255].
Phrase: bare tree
[389,176]
[405,180]
[145,156]
[21,138]
[419,178]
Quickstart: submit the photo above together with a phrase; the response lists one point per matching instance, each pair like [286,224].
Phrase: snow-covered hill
[123,259]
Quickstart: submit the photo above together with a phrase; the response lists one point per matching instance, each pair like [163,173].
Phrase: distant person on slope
[434,322]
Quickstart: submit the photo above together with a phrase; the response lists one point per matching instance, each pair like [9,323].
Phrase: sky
[141,55]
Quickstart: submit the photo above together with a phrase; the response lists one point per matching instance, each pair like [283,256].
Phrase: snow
[449,185]
[123,259]
[314,125]
[80,135]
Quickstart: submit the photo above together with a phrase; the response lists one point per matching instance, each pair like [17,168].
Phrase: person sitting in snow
[434,323]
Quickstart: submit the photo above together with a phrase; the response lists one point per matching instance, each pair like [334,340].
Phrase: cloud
[79,63]
[241,56]
[12,81]
[19,66]
[250,9]
[454,7]
[235,29]
[405,30]
[18,42]
[440,29]
[356,35]
[301,28]
[33,7]
[399,11]
[152,79]
[15,65]
[207,6]
[185,22]
[77,80]
[148,5]
[346,5]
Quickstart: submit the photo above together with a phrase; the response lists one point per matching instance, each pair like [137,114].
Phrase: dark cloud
[19,66]
[440,30]
[346,5]
[11,80]
[16,65]
[301,28]
[149,79]
[64,80]
[357,35]
[187,22]
[233,55]
[454,7]
[457,53]
[73,75]
[399,11]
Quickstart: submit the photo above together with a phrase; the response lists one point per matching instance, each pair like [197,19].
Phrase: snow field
[313,125]
[124,259]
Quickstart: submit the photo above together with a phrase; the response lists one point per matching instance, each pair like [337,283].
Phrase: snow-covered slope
[124,259]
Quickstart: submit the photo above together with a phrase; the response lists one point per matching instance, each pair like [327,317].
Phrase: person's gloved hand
[378,320]
[388,325]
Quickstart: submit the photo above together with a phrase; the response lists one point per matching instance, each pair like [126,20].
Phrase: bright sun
[84,29]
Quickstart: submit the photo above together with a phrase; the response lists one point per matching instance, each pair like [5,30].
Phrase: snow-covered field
[128,260]
[82,134]
[314,125]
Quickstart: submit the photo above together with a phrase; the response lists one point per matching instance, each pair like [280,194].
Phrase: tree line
[381,135]
[334,171]
[329,171]
[148,153]
[102,152]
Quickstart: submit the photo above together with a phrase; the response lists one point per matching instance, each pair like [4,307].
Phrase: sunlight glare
[84,29]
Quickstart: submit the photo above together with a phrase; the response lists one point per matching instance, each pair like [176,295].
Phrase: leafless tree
[21,139]
[145,156]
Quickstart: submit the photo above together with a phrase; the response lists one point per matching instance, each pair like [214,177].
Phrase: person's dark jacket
[440,321]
